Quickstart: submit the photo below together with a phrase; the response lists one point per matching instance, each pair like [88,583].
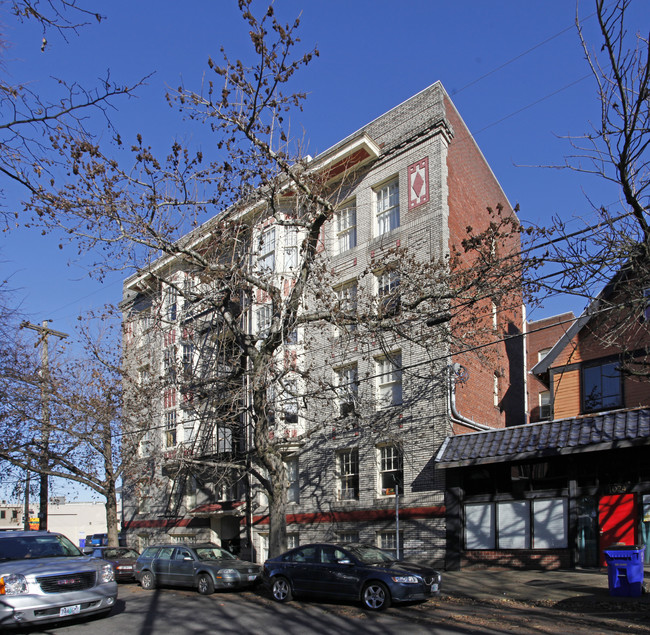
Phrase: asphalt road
[176,612]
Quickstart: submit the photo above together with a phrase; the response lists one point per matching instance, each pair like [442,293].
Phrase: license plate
[69,610]
[251,578]
[125,568]
[434,588]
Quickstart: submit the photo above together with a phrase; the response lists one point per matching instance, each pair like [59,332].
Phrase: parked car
[122,558]
[349,571]
[44,577]
[205,567]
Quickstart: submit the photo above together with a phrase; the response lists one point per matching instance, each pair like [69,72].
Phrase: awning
[606,431]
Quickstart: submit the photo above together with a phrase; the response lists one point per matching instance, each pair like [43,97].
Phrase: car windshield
[372,555]
[213,553]
[49,546]
[119,553]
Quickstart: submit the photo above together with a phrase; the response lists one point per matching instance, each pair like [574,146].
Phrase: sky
[514,69]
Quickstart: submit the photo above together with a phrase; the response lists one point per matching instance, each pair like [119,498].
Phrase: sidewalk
[544,588]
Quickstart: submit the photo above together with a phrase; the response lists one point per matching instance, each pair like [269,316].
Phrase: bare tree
[199,231]
[29,119]
[612,253]
[89,399]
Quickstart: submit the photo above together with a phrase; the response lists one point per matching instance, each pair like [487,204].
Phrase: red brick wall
[517,559]
[472,188]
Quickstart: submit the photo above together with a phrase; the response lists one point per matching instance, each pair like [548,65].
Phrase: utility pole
[44,332]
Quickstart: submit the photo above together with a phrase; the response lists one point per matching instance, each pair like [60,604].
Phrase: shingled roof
[610,430]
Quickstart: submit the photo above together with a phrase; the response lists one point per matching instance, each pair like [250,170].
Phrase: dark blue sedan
[349,571]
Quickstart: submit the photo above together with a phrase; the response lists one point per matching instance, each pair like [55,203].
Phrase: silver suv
[44,577]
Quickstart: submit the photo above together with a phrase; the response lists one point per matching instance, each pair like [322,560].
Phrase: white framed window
[347,380]
[263,320]
[290,249]
[387,540]
[495,315]
[293,489]
[290,401]
[188,358]
[387,206]
[348,474]
[388,282]
[391,472]
[346,229]
[346,295]
[542,354]
[349,536]
[223,439]
[172,304]
[495,389]
[545,404]
[293,540]
[170,428]
[146,444]
[266,259]
[389,381]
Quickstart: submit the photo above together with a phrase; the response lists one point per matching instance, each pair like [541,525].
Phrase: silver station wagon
[204,567]
[44,577]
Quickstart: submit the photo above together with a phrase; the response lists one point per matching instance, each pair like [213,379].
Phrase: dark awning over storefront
[607,431]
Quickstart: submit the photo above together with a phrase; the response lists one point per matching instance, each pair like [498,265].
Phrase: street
[172,611]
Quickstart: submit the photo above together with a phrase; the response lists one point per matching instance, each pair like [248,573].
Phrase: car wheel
[147,581]
[204,584]
[375,596]
[281,589]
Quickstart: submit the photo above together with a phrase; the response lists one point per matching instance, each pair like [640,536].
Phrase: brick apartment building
[415,180]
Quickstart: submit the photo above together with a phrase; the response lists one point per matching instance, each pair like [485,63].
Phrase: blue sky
[514,69]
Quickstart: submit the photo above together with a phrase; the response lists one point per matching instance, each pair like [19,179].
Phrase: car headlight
[107,574]
[13,584]
[227,573]
[405,579]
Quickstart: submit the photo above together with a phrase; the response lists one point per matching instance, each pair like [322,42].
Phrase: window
[495,389]
[542,354]
[293,491]
[388,292]
[188,359]
[495,315]
[390,470]
[601,387]
[3,514]
[223,436]
[348,389]
[169,364]
[146,444]
[348,474]
[293,541]
[387,540]
[263,320]
[349,536]
[346,229]
[290,402]
[172,302]
[545,404]
[387,204]
[290,249]
[389,381]
[347,305]
[266,259]
[170,429]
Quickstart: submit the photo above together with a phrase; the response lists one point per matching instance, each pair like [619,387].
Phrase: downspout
[455,416]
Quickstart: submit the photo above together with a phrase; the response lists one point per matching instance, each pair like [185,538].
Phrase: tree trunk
[277,514]
[112,519]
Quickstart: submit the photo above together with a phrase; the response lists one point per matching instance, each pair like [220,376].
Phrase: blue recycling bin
[625,570]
